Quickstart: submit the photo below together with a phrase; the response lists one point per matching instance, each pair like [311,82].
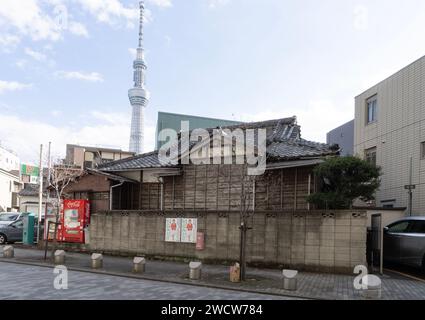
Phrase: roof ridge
[107,164]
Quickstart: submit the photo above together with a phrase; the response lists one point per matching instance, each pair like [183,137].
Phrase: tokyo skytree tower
[139,96]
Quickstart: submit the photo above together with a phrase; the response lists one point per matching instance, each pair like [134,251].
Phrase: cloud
[28,19]
[35,54]
[109,11]
[12,86]
[78,29]
[217,3]
[77,75]
[161,3]
[8,42]
[132,52]
[101,133]
[21,64]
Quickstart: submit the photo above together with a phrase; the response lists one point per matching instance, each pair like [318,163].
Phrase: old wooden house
[147,198]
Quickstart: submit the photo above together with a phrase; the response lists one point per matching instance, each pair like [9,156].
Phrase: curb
[132,276]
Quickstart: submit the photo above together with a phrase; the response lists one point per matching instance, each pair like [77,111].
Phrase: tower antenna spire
[142,19]
[138,95]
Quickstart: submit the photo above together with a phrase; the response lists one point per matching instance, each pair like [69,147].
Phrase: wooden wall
[219,187]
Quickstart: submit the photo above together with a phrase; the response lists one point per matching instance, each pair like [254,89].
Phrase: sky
[66,65]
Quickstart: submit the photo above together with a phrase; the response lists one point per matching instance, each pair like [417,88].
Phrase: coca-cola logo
[72,204]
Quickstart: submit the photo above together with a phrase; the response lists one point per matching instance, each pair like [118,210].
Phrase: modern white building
[9,188]
[9,160]
[390,130]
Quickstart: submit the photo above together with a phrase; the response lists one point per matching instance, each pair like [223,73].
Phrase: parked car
[9,217]
[404,242]
[13,232]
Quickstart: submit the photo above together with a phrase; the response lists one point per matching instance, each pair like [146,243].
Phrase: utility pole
[48,183]
[40,192]
[410,187]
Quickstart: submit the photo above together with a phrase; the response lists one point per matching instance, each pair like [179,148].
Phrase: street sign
[410,187]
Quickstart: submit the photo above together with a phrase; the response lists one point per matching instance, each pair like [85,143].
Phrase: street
[20,282]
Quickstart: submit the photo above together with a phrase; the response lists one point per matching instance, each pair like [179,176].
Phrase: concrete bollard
[195,269]
[290,279]
[8,252]
[139,264]
[373,287]
[96,261]
[235,273]
[59,257]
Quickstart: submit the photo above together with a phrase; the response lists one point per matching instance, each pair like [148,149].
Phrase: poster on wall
[172,229]
[189,230]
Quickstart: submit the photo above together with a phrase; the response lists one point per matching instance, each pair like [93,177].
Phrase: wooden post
[230,183]
[140,190]
[173,192]
[149,196]
[206,186]
[295,189]
[281,189]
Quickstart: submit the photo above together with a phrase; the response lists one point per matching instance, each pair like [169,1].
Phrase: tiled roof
[284,143]
[30,190]
[110,176]
[143,161]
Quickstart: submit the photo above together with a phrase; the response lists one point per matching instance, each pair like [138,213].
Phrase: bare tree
[246,211]
[61,175]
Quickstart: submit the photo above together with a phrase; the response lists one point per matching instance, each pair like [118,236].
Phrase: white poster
[189,230]
[172,229]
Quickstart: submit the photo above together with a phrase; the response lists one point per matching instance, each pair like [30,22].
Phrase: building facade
[89,157]
[9,161]
[343,136]
[390,131]
[9,188]
[173,121]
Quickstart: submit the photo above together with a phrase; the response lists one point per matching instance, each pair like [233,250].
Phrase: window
[371,109]
[423,150]
[417,226]
[399,227]
[370,155]
[19,224]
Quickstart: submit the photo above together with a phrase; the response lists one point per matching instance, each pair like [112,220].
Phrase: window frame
[368,151]
[369,101]
[422,154]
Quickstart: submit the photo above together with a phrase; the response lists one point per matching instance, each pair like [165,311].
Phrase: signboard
[181,230]
[410,187]
[172,229]
[30,173]
[30,170]
[200,241]
[189,230]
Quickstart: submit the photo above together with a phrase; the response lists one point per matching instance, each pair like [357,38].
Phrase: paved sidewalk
[263,281]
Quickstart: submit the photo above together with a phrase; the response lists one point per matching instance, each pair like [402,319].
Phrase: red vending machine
[75,218]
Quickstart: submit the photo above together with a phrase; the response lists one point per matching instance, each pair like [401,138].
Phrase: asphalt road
[21,282]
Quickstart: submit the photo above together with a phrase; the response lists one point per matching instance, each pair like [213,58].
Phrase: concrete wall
[397,134]
[333,241]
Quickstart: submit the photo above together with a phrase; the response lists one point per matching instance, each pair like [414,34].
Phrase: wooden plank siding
[218,188]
